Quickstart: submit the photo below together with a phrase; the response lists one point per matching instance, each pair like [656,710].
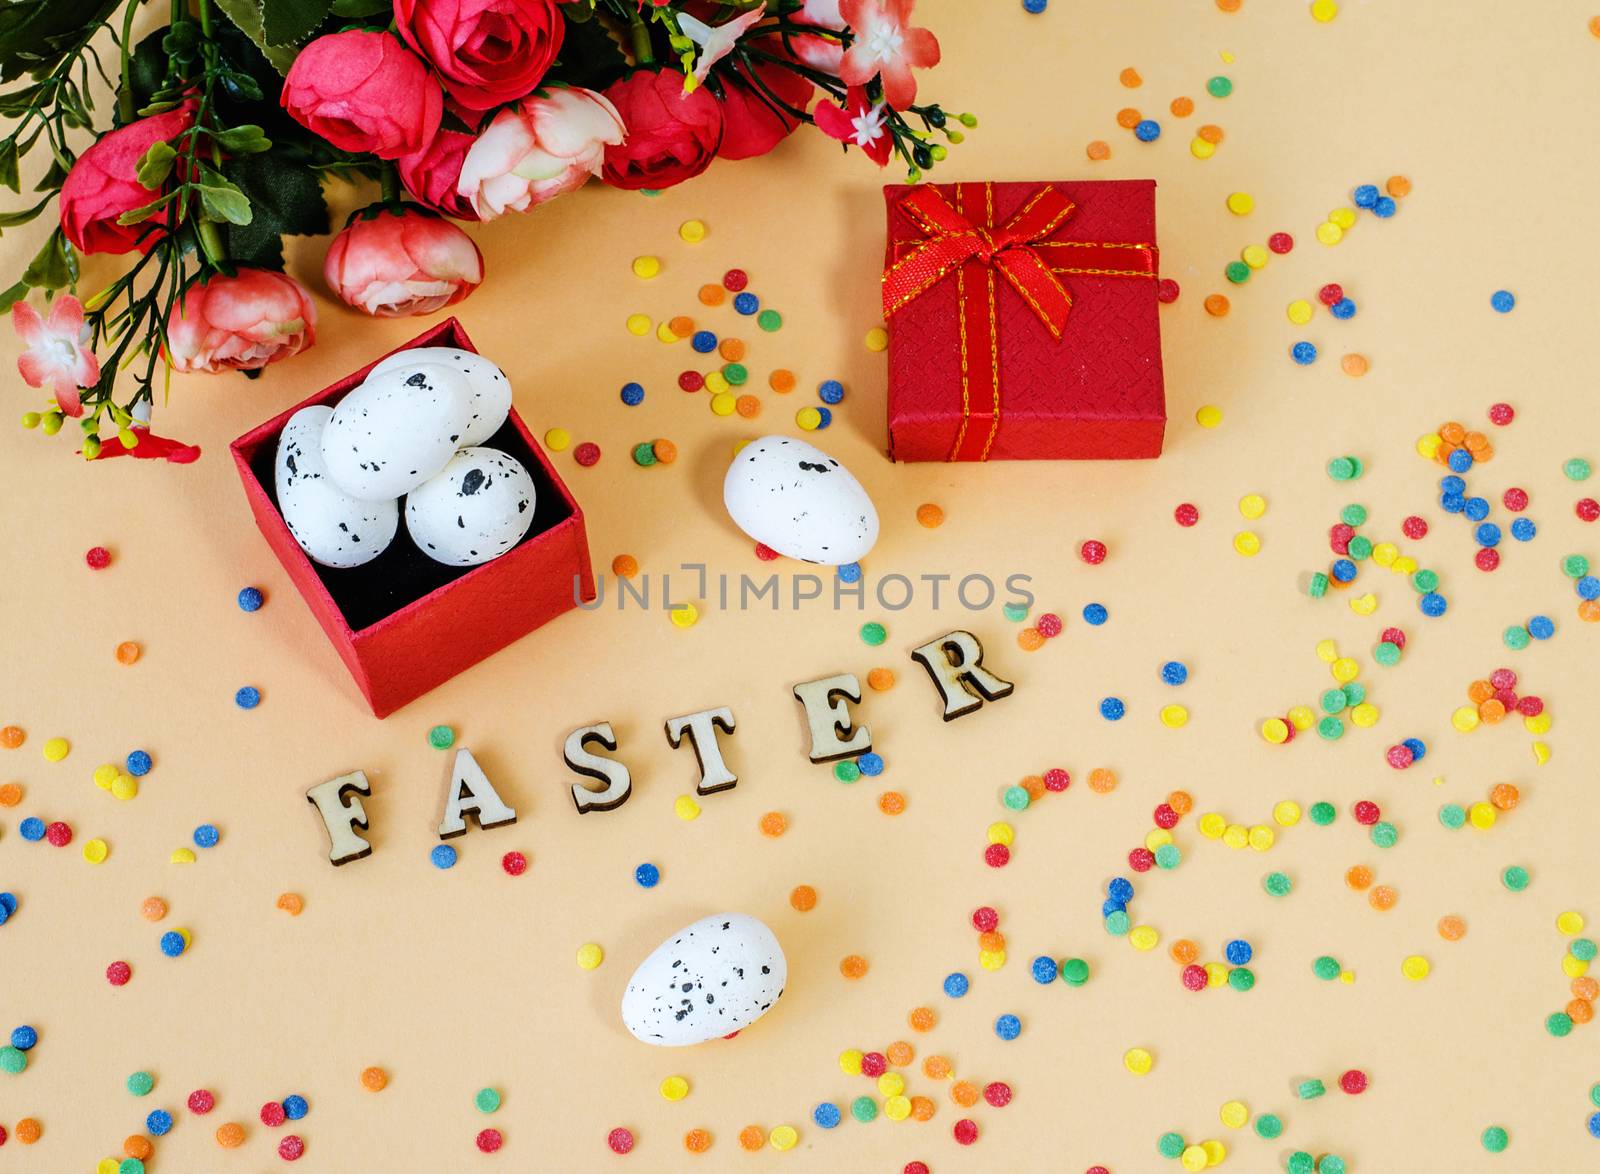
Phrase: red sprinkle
[997,1093]
[1354,1082]
[765,553]
[1092,552]
[620,1140]
[966,1131]
[1487,558]
[118,973]
[1414,527]
[1056,779]
[1166,291]
[291,1147]
[515,863]
[735,279]
[915,1168]
[98,558]
[1165,817]
[1367,812]
[1501,414]
[1102,1169]
[272,1114]
[1588,509]
[985,919]
[997,856]
[1399,757]
[1515,500]
[1506,697]
[1288,730]
[1048,625]
[874,1064]
[691,381]
[1186,515]
[1503,679]
[1331,293]
[1280,243]
[201,1101]
[59,834]
[587,454]
[490,1140]
[1530,706]
[1339,536]
[1141,860]
[1393,636]
[1195,977]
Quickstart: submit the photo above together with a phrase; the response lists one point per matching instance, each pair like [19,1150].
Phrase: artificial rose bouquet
[228,118]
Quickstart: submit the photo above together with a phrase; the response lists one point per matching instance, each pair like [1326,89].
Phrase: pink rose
[364,92]
[55,353]
[101,185]
[672,136]
[751,125]
[396,264]
[538,150]
[240,323]
[432,173]
[487,51]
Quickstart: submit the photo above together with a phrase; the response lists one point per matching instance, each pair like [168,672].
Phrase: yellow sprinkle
[991,959]
[1255,256]
[1574,967]
[95,851]
[1329,233]
[1343,217]
[1364,715]
[1385,553]
[1212,825]
[808,418]
[1300,311]
[1347,976]
[1415,968]
[1324,10]
[1236,836]
[1247,543]
[716,383]
[1364,605]
[723,403]
[56,749]
[1174,717]
[891,1084]
[1275,730]
[182,856]
[1241,203]
[849,1062]
[1570,923]
[1215,1151]
[1138,1061]
[639,324]
[1252,506]
[125,787]
[738,445]
[877,339]
[685,808]
[1541,753]
[1143,937]
[784,1137]
[1465,718]
[693,231]
[646,267]
[107,1166]
[1235,1115]
[1302,717]
[1482,816]
[557,439]
[1404,565]
[684,615]
[897,1108]
[1345,669]
[1538,724]
[1286,814]
[1327,651]
[665,333]
[675,1088]
[1428,446]
[1216,974]
[1227,57]
[1201,149]
[1002,833]
[590,956]
[1209,416]
[105,775]
[1262,837]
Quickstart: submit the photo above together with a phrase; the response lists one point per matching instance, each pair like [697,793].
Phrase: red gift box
[404,624]
[1023,321]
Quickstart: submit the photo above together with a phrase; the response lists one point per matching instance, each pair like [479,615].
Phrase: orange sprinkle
[1504,796]
[1184,951]
[624,566]
[1585,987]
[665,451]
[291,903]
[1400,187]
[1589,611]
[1102,781]
[922,1019]
[1181,802]
[1029,640]
[12,736]
[1130,78]
[1358,877]
[1581,1010]
[712,295]
[781,381]
[899,1053]
[929,515]
[374,1079]
[1486,453]
[1492,710]
[853,966]
[127,652]
[1217,305]
[1452,433]
[731,349]
[10,794]
[891,803]
[1182,107]
[773,824]
[936,1068]
[750,1137]
[922,1109]
[1382,898]
[803,898]
[1098,150]
[230,1135]
[153,909]
[1128,118]
[697,1141]
[1452,928]
[1229,5]
[747,406]
[992,941]
[964,1093]
[1211,133]
[137,1145]
[682,326]
[1479,691]
[1354,365]
[880,680]
[1034,785]
[28,1131]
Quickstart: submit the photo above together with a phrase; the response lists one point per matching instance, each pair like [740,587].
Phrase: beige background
[456,980]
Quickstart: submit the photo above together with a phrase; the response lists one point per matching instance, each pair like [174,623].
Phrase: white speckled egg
[709,979]
[477,508]
[801,502]
[332,527]
[488,389]
[395,431]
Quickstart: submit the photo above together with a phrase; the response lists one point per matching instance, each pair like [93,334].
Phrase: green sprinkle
[1387,654]
[1237,272]
[1342,468]
[1170,1145]
[1559,1024]
[1117,923]
[1278,884]
[1074,971]
[1322,814]
[1577,469]
[736,374]
[1015,612]
[441,737]
[1168,856]
[846,772]
[644,454]
[874,633]
[1594,1096]
[1330,1164]
[1318,586]
[140,1084]
[1241,978]
[1453,815]
[1333,701]
[1516,637]
[487,1100]
[1326,968]
[1515,878]
[1301,1162]
[1495,1139]
[864,1109]
[1219,86]
[1384,834]
[1360,548]
[1330,729]
[1269,1126]
[1574,566]
[769,320]
[1016,798]
[12,1060]
[1583,949]
[1424,581]
[1310,1090]
[1353,515]
[130,1166]
[1354,693]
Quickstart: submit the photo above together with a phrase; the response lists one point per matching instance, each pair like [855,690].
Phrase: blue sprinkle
[1008,1027]
[1148,131]
[206,836]
[1095,613]
[32,829]
[1594,1125]
[1343,570]
[159,1123]
[1238,952]
[1035,7]
[1303,353]
[1523,529]
[871,764]
[1044,970]
[443,856]
[830,391]
[8,906]
[295,1107]
[1476,509]
[827,1115]
[1174,672]
[1588,587]
[826,418]
[1487,534]
[250,599]
[1454,485]
[647,876]
[1365,196]
[1111,905]
[849,572]
[1460,460]
[138,763]
[1112,709]
[1120,889]
[1502,301]
[1452,503]
[23,1038]
[172,944]
[247,697]
[1385,207]
[1418,748]
[1432,604]
[746,303]
[956,985]
[704,341]
[1541,627]
[633,393]
[1344,309]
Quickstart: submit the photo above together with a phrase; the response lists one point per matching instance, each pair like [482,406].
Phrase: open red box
[404,624]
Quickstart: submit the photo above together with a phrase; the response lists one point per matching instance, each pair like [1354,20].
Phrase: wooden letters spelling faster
[954,663]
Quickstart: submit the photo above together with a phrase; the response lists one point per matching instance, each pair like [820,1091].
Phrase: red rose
[487,51]
[364,92]
[432,173]
[240,323]
[101,185]
[750,124]
[672,136]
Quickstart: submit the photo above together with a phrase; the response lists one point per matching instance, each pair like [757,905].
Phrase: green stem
[639,32]
[389,181]
[125,91]
[204,9]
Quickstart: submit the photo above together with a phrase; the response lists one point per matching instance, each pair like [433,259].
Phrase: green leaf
[140,215]
[355,9]
[50,268]
[286,22]
[589,57]
[285,199]
[243,140]
[225,202]
[156,165]
[36,34]
[53,179]
[246,17]
[13,295]
[8,165]
[23,215]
